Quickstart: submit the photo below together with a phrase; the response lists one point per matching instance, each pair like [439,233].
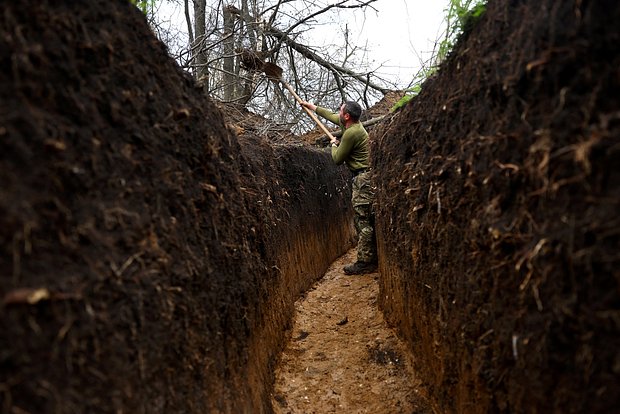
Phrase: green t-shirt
[354,146]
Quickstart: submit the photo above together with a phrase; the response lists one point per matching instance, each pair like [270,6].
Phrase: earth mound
[499,193]
[149,256]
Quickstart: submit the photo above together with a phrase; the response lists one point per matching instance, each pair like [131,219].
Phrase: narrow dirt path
[342,357]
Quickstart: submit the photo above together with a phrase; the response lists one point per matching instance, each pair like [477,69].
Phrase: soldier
[354,151]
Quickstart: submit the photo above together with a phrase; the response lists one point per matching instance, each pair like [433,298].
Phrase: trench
[341,356]
[152,259]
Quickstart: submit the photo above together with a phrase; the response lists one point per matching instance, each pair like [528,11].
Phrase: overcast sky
[399,35]
[402,33]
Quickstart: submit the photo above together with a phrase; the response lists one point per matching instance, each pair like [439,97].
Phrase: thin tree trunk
[228,64]
[199,50]
[250,26]
[188,20]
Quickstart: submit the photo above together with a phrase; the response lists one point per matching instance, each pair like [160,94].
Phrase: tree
[199,42]
[228,42]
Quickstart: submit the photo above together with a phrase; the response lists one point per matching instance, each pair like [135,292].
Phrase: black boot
[360,268]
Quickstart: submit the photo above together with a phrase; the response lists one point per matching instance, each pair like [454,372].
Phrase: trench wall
[149,258]
[306,221]
[497,214]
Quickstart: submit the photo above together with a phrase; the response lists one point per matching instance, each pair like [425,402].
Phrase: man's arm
[329,115]
[325,113]
[308,105]
[342,151]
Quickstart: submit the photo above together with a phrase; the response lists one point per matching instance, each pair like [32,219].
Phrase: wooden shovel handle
[309,112]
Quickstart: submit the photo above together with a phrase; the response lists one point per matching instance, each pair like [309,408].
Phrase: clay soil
[342,356]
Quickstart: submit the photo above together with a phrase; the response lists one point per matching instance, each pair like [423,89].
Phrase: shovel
[274,73]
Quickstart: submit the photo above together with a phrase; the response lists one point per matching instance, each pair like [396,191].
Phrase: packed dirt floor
[341,356]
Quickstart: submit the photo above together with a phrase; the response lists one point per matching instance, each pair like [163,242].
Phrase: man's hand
[308,105]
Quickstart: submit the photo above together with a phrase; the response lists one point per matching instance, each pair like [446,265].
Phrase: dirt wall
[499,192]
[149,258]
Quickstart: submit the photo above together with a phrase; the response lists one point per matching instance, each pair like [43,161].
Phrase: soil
[151,250]
[149,254]
[342,356]
[497,214]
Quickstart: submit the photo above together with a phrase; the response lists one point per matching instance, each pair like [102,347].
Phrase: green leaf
[143,5]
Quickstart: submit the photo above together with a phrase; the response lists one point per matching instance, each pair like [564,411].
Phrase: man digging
[354,151]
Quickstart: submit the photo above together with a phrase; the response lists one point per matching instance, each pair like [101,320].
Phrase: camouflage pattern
[362,199]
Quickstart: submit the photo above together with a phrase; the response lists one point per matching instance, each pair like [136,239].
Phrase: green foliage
[409,95]
[461,16]
[143,5]
[414,89]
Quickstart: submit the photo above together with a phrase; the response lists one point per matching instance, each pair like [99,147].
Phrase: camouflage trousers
[362,200]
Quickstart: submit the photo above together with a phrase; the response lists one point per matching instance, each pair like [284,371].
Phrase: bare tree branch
[324,77]
[340,5]
[188,20]
[309,54]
